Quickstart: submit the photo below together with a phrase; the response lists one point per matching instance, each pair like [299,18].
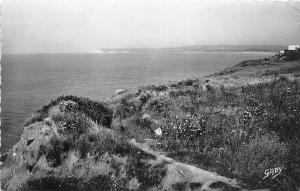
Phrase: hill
[224,132]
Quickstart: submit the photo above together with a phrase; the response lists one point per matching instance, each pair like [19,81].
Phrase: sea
[30,81]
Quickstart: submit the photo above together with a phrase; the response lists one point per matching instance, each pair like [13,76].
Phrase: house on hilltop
[293,47]
[290,54]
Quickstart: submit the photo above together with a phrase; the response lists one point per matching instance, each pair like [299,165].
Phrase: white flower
[158,132]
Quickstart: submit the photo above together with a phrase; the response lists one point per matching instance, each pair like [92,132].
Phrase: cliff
[220,133]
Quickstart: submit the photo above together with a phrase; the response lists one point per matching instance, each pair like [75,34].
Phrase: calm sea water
[30,81]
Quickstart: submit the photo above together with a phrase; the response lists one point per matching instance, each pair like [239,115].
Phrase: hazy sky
[30,26]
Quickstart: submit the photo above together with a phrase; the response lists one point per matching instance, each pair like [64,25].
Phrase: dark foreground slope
[237,123]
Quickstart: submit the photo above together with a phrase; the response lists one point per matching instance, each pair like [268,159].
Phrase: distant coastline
[249,52]
[196,48]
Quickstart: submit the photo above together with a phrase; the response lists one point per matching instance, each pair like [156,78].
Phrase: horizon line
[141,48]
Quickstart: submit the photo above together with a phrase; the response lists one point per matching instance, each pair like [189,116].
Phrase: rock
[120,91]
[117,125]
[146,116]
[158,132]
[48,121]
[3,158]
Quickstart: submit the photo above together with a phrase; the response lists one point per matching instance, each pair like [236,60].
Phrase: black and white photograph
[150,95]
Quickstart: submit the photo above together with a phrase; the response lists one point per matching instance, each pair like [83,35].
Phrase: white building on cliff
[293,47]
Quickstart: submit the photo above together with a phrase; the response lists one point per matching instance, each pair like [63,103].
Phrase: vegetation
[98,112]
[76,131]
[240,130]
[72,183]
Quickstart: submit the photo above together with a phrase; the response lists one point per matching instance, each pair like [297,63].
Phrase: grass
[243,130]
[77,132]
[97,144]
[72,183]
[56,150]
[237,131]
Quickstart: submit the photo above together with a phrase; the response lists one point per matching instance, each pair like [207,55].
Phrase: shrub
[83,145]
[68,106]
[186,129]
[138,128]
[104,182]
[159,105]
[56,150]
[187,82]
[125,109]
[71,122]
[160,88]
[95,143]
[37,117]
[56,115]
[98,112]
[104,141]
[144,97]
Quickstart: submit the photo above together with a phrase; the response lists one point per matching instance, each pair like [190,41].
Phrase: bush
[70,122]
[160,88]
[144,97]
[104,141]
[187,82]
[56,150]
[125,109]
[98,112]
[97,144]
[187,130]
[138,128]
[56,115]
[104,182]
[159,105]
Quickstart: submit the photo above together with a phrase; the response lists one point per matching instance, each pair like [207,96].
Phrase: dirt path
[184,177]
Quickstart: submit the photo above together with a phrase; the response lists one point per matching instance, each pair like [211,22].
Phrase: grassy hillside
[236,131]
[238,122]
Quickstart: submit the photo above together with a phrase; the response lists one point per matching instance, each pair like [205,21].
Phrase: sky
[50,26]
